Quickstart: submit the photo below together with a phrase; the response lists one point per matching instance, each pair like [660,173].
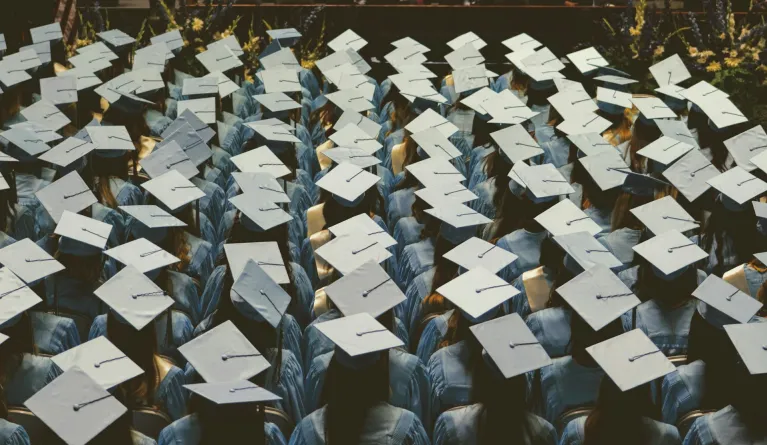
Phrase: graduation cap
[607,169]
[367,289]
[464,57]
[276,102]
[587,60]
[360,337]
[590,143]
[191,144]
[224,354]
[468,79]
[748,340]
[152,57]
[445,194]
[511,345]
[46,33]
[652,108]
[261,159]
[277,133]
[204,108]
[47,114]
[584,251]
[664,214]
[670,71]
[262,183]
[282,59]
[92,61]
[173,190]
[280,81]
[431,119]
[435,144]
[565,217]
[225,85]
[219,58]
[631,359]
[677,130]
[370,127]
[200,86]
[229,42]
[116,38]
[477,291]
[738,185]
[41,131]
[476,101]
[545,182]
[259,214]
[691,173]
[188,117]
[75,407]
[351,155]
[348,252]
[573,103]
[435,172]
[458,220]
[17,297]
[670,253]
[59,90]
[665,150]
[150,222]
[746,146]
[101,360]
[476,252]
[347,39]
[520,42]
[736,305]
[348,182]
[82,236]
[350,100]
[236,392]
[142,254]
[285,37]
[613,101]
[257,296]
[68,193]
[406,55]
[468,38]
[111,138]
[27,141]
[584,123]
[506,108]
[11,75]
[362,224]
[265,254]
[722,113]
[516,143]
[172,39]
[167,158]
[353,136]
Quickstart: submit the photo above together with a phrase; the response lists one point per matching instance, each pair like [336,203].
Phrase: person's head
[21,340]
[732,233]
[643,134]
[552,258]
[620,128]
[617,417]
[337,210]
[481,130]
[103,168]
[711,344]
[83,268]
[140,346]
[747,392]
[622,216]
[228,423]
[583,336]
[118,432]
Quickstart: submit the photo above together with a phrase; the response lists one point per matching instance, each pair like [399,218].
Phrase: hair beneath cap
[73,247]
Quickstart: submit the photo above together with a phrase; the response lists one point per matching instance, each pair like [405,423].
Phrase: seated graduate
[356,389]
[254,305]
[751,275]
[624,408]
[224,412]
[498,390]
[135,301]
[368,289]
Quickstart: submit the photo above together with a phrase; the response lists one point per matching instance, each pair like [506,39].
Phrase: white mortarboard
[653,108]
[431,119]
[347,39]
[607,169]
[664,214]
[587,60]
[748,340]
[565,85]
[200,86]
[631,359]
[723,113]
[276,102]
[142,254]
[405,55]
[116,38]
[672,91]
[47,114]
[691,173]
[457,215]
[264,214]
[25,59]
[466,39]
[544,60]
[91,61]
[670,252]
[760,210]
[746,146]
[236,392]
[464,57]
[351,155]
[277,133]
[590,143]
[511,345]
[28,261]
[614,97]
[422,97]
[224,354]
[586,250]
[410,81]
[348,252]
[615,80]
[516,143]
[670,71]
[190,142]
[416,70]
[101,360]
[262,183]
[152,216]
[331,62]
[727,299]
[738,185]
[229,42]
[40,130]
[261,159]
[369,126]
[367,289]
[98,48]
[285,37]
[565,217]
[266,254]
[478,98]
[521,41]
[225,85]
[702,90]
[348,181]
[75,407]
[676,130]
[204,108]
[545,181]
[471,78]
[760,160]
[506,108]
[362,224]
[665,150]
[67,193]
[353,136]
[43,51]
[477,291]
[111,137]
[83,229]
[256,295]
[188,117]
[435,172]
[476,252]
[84,79]
[350,100]
[576,102]
[173,190]
[152,57]
[435,144]
[26,140]
[172,39]
[166,158]
[359,334]
[445,193]
[11,74]
[586,123]
[17,297]
[219,58]
[280,81]
[59,90]
[598,296]
[46,33]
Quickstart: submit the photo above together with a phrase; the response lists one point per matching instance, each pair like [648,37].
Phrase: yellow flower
[732,62]
[743,32]
[199,49]
[186,42]
[713,67]
[197,24]
[634,31]
[733,53]
[693,51]
[755,55]
[722,36]
[659,51]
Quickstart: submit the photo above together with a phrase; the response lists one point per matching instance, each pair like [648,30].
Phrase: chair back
[685,423]
[37,431]
[280,419]
[150,422]
[678,360]
[571,415]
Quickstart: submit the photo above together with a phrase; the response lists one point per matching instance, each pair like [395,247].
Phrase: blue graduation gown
[416,292]
[460,427]
[657,433]
[527,246]
[407,231]
[432,336]
[450,377]
[682,391]
[400,205]
[551,327]
[54,334]
[724,427]
[12,434]
[34,373]
[186,430]
[565,385]
[415,259]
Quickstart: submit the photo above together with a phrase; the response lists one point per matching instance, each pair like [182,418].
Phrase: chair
[280,419]
[150,422]
[678,360]
[571,415]
[415,338]
[685,423]
[37,431]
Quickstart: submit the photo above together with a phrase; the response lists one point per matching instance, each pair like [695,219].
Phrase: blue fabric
[416,292]
[556,150]
[484,202]
[460,427]
[72,296]
[407,231]
[32,375]
[171,395]
[12,434]
[600,216]
[213,204]
[551,327]
[187,431]
[201,258]
[657,433]
[566,385]
[408,382]
[415,259]
[450,377]
[400,205]
[125,193]
[527,246]
[724,427]
[621,243]
[477,165]
[432,336]
[384,424]
[668,328]
[519,303]
[184,293]
[754,279]
[54,334]
[682,391]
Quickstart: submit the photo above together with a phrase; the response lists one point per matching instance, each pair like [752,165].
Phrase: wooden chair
[37,431]
[280,419]
[150,422]
[678,360]
[685,423]
[415,338]
[571,415]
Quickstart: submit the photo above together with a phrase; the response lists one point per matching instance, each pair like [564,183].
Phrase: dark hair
[100,174]
[444,271]
[228,423]
[349,395]
[583,336]
[641,135]
[85,269]
[21,340]
[333,212]
[674,292]
[723,226]
[714,348]
[8,200]
[141,347]
[552,257]
[618,416]
[118,432]
[748,393]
